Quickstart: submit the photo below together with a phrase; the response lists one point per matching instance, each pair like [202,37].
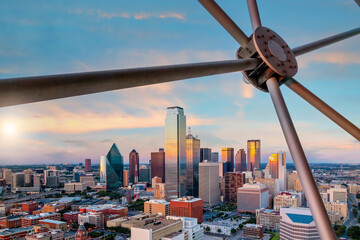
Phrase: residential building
[354,188]
[158,164]
[88,165]
[253,155]
[251,197]
[297,223]
[175,148]
[192,165]
[233,181]
[227,157]
[286,199]
[337,207]
[268,218]
[240,161]
[111,169]
[187,207]
[208,184]
[205,154]
[12,221]
[134,170]
[160,207]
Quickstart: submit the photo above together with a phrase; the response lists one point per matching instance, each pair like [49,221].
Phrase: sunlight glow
[9,129]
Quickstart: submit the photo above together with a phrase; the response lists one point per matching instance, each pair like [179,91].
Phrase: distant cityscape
[185,191]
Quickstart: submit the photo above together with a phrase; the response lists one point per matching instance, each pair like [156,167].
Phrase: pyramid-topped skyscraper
[111,169]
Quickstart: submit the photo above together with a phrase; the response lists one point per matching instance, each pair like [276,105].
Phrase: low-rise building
[54,224]
[95,218]
[54,234]
[337,194]
[192,230]
[29,206]
[75,187]
[158,230]
[53,207]
[31,220]
[337,207]
[14,233]
[354,188]
[155,206]
[268,218]
[12,221]
[251,197]
[286,199]
[253,231]
[71,216]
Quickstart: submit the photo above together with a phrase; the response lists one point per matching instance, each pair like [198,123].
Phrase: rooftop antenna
[265,60]
[189,131]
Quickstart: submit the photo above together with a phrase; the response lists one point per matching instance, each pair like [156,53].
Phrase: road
[351,220]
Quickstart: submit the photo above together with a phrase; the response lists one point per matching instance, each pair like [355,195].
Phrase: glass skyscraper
[227,157]
[240,161]
[134,166]
[192,165]
[111,169]
[175,152]
[253,155]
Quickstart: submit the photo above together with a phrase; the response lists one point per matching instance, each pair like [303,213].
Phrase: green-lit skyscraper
[175,152]
[111,169]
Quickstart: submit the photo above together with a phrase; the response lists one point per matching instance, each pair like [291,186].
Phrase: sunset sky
[50,37]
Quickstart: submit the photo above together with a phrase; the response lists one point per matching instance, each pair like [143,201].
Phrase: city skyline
[73,129]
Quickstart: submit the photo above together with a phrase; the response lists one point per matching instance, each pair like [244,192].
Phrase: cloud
[247,90]
[340,58]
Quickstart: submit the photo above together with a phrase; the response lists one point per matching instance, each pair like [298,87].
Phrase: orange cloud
[341,58]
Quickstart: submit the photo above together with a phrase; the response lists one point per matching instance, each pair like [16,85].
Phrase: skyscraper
[205,154]
[276,168]
[175,149]
[233,181]
[87,165]
[209,190]
[192,165]
[240,161]
[227,157]
[144,173]
[253,155]
[134,166]
[111,168]
[158,164]
[215,157]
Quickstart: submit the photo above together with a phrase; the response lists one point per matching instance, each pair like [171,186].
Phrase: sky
[53,37]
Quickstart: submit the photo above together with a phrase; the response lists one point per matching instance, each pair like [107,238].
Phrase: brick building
[187,207]
[30,220]
[30,206]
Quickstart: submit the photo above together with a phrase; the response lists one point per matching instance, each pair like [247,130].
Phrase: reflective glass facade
[253,155]
[134,166]
[240,161]
[111,169]
[192,165]
[158,164]
[227,157]
[175,152]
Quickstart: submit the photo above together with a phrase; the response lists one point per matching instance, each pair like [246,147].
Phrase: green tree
[354,232]
[233,230]
[207,229]
[219,230]
[241,226]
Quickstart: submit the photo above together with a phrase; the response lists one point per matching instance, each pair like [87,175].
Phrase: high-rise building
[111,168]
[51,178]
[160,191]
[227,156]
[157,206]
[7,175]
[233,181]
[144,173]
[134,166]
[297,223]
[253,155]
[158,164]
[273,186]
[205,154]
[251,197]
[215,157]
[291,180]
[277,169]
[187,207]
[175,149]
[28,177]
[87,165]
[125,178]
[155,180]
[240,161]
[209,190]
[36,180]
[192,165]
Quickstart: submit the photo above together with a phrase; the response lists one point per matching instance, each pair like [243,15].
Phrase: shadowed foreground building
[111,169]
[227,157]
[208,184]
[134,170]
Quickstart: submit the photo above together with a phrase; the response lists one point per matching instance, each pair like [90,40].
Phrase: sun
[9,129]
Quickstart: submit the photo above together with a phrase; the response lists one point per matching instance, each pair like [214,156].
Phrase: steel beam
[215,10]
[312,194]
[320,105]
[325,42]
[16,91]
[254,14]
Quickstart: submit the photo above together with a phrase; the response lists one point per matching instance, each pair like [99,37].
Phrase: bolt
[268,30]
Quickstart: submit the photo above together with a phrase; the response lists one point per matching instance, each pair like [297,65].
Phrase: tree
[233,230]
[241,226]
[219,230]
[207,229]
[354,232]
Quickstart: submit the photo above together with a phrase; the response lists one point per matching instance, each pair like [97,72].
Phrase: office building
[87,165]
[215,157]
[187,207]
[276,169]
[31,220]
[192,165]
[227,157]
[258,174]
[155,180]
[268,218]
[253,155]
[251,197]
[337,207]
[291,181]
[134,166]
[159,207]
[95,218]
[144,173]
[54,224]
[28,177]
[354,188]
[286,199]
[74,187]
[159,230]
[51,178]
[297,223]
[29,206]
[240,161]
[205,154]
[7,175]
[125,178]
[175,149]
[18,180]
[160,191]
[88,180]
[36,180]
[15,233]
[273,186]
[192,230]
[111,169]
[209,183]
[233,181]
[158,164]
[337,194]
[253,231]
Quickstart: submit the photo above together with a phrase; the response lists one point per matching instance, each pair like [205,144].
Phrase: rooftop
[52,221]
[299,218]
[186,199]
[160,224]
[5,232]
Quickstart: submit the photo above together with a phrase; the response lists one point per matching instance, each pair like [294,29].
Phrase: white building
[191,228]
[96,219]
[209,190]
[297,223]
[286,199]
[337,194]
[74,187]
